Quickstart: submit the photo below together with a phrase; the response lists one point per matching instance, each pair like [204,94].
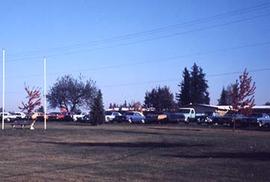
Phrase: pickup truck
[183,114]
[189,114]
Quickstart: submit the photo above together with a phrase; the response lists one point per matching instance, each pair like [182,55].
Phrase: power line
[116,66]
[160,37]
[172,79]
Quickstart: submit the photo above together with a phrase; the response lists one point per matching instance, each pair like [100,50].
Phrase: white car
[110,115]
[77,117]
[20,115]
[264,120]
[7,116]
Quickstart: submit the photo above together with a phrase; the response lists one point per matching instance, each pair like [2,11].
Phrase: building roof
[261,107]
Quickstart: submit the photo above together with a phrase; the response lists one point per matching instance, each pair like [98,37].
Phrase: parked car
[175,117]
[77,116]
[131,117]
[20,115]
[155,117]
[244,121]
[56,116]
[217,119]
[263,120]
[8,116]
[110,115]
[135,117]
[40,116]
[120,118]
[206,118]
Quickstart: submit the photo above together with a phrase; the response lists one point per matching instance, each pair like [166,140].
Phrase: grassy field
[70,152]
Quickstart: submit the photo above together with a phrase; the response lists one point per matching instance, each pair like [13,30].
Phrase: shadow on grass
[262,156]
[176,129]
[137,132]
[126,145]
[146,148]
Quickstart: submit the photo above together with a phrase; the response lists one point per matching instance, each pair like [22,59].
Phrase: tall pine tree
[223,97]
[193,88]
[183,97]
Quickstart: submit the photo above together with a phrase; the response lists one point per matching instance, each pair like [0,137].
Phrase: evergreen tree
[183,98]
[97,115]
[194,85]
[228,95]
[193,88]
[223,97]
[198,86]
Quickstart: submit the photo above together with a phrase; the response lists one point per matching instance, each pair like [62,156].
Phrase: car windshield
[108,113]
[116,113]
[129,113]
[256,115]
[54,113]
[184,110]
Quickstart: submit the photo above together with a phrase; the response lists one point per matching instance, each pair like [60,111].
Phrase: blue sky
[130,46]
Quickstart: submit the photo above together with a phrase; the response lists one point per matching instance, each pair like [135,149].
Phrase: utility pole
[44,92]
[3,91]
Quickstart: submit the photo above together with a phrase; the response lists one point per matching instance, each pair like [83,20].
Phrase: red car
[56,116]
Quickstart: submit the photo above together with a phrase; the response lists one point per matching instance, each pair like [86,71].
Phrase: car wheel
[260,124]
[143,121]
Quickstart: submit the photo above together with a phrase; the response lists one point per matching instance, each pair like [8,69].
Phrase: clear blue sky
[130,46]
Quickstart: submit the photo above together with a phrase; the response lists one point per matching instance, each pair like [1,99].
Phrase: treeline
[73,94]
[193,89]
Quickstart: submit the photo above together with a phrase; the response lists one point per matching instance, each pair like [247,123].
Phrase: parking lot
[122,152]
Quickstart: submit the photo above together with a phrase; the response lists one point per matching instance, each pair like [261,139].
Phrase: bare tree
[71,93]
[243,93]
[33,100]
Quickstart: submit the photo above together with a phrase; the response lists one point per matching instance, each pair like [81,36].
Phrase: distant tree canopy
[33,100]
[193,88]
[226,96]
[160,98]
[40,109]
[267,104]
[71,93]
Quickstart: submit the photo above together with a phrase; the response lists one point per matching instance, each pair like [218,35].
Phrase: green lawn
[70,152]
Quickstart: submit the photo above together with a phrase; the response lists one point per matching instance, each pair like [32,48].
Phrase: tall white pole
[3,92]
[44,93]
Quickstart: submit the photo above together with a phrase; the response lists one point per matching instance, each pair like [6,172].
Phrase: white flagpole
[44,93]
[3,92]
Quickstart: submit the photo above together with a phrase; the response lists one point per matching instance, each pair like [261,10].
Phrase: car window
[116,114]
[184,110]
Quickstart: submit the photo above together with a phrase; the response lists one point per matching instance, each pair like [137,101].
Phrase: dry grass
[69,152]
